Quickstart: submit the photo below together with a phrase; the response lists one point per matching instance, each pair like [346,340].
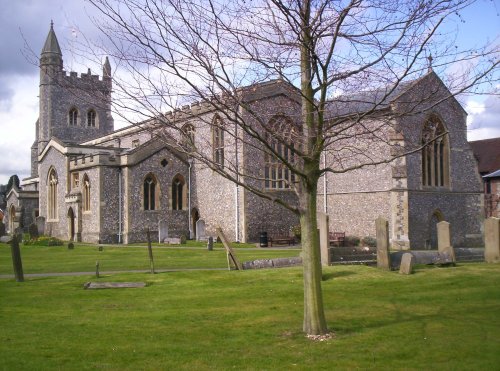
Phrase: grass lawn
[38,259]
[437,319]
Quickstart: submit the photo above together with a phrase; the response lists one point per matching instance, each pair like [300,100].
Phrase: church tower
[73,108]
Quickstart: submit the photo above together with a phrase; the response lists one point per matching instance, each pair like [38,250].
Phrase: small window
[86,193]
[75,180]
[188,136]
[91,118]
[73,117]
[150,192]
[218,142]
[178,192]
[52,194]
[135,143]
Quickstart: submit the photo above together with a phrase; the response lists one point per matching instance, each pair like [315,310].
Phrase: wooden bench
[281,240]
[337,238]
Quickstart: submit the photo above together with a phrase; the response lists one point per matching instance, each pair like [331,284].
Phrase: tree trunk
[314,316]
[16,259]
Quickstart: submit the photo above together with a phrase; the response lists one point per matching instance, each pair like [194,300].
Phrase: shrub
[351,241]
[44,241]
[369,241]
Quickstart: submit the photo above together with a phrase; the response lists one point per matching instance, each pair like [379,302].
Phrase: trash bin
[263,239]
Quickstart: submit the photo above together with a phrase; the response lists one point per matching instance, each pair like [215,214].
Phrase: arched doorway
[195,216]
[436,217]
[12,219]
[71,224]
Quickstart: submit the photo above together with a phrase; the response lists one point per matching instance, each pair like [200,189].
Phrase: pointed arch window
[435,154]
[188,136]
[218,142]
[91,118]
[86,193]
[52,194]
[282,138]
[73,117]
[179,193]
[150,193]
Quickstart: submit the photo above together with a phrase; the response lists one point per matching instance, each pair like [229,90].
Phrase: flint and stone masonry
[92,183]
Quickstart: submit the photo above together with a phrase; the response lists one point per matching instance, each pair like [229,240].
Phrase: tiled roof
[487,153]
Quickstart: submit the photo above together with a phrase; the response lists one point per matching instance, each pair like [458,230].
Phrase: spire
[51,52]
[106,68]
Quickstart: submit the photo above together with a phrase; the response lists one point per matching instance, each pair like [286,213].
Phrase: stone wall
[136,219]
[57,227]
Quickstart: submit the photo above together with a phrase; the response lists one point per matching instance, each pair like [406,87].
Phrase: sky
[24,25]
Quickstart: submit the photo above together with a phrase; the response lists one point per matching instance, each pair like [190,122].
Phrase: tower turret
[106,69]
[51,53]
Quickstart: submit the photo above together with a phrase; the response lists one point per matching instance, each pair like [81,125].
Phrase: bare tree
[341,63]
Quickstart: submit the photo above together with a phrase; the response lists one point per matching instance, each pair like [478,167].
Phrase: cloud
[484,118]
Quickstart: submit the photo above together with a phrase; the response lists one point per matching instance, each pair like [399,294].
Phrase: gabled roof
[378,99]
[487,154]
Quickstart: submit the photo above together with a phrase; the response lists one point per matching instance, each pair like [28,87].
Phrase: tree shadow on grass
[332,275]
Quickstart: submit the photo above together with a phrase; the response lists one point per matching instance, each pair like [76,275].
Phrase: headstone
[383,257]
[33,231]
[210,244]
[5,239]
[200,230]
[324,242]
[444,242]
[172,241]
[40,224]
[162,230]
[2,229]
[492,240]
[407,262]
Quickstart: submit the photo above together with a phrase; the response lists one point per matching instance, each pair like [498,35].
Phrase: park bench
[337,238]
[281,239]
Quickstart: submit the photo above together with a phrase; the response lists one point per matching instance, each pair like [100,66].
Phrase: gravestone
[200,230]
[492,240]
[33,231]
[16,259]
[40,224]
[407,262]
[2,229]
[324,241]
[383,257]
[445,249]
[162,230]
[210,244]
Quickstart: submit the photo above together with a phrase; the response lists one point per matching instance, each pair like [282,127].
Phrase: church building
[92,183]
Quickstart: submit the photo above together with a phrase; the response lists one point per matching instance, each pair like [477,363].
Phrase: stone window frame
[188,133]
[178,193]
[52,184]
[277,176]
[150,193]
[86,198]
[75,180]
[435,153]
[73,117]
[218,141]
[92,118]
